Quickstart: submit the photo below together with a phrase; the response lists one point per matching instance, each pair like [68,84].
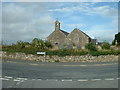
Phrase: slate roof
[85,34]
[66,33]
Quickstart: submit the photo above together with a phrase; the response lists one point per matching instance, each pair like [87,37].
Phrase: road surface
[32,74]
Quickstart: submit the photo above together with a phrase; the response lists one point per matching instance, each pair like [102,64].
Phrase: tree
[48,44]
[113,42]
[38,44]
[20,44]
[117,39]
[42,44]
[91,47]
[35,43]
[105,45]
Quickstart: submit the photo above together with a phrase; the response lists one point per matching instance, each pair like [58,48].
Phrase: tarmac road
[31,74]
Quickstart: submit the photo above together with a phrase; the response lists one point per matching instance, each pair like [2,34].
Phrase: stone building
[63,39]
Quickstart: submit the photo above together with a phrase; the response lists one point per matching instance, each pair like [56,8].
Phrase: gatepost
[44,57]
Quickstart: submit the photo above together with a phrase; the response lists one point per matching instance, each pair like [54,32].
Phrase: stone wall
[78,38]
[83,58]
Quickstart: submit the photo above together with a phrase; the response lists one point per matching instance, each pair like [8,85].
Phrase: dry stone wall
[83,58]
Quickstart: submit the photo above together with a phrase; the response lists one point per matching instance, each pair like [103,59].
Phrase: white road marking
[4,79]
[16,80]
[8,77]
[51,79]
[109,79]
[82,80]
[95,79]
[22,78]
[92,64]
[117,78]
[74,65]
[39,79]
[9,61]
[83,65]
[66,80]
[25,79]
[34,64]
[0,78]
[18,83]
[10,87]
[22,81]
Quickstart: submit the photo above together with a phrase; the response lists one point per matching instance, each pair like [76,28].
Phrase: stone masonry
[76,38]
[83,58]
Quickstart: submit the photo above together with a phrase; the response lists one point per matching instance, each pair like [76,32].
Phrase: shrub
[105,45]
[91,47]
[97,53]
[117,39]
[57,61]
[64,52]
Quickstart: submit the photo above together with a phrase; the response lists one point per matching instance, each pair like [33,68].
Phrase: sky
[28,20]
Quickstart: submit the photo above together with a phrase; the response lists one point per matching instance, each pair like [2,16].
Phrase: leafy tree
[20,44]
[105,45]
[42,44]
[117,39]
[113,42]
[37,43]
[91,47]
[48,44]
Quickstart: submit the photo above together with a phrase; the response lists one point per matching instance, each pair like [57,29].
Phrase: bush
[91,47]
[117,39]
[97,53]
[64,52]
[105,45]
[57,61]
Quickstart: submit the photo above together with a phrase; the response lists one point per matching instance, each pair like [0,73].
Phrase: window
[56,43]
[76,39]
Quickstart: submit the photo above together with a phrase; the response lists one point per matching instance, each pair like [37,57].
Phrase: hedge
[64,52]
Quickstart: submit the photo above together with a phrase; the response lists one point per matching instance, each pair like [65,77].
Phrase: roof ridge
[82,32]
[66,33]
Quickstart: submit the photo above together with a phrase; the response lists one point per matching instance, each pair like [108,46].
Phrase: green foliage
[25,50]
[57,61]
[117,38]
[28,48]
[48,44]
[58,52]
[66,52]
[39,45]
[113,42]
[109,52]
[91,47]
[105,45]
